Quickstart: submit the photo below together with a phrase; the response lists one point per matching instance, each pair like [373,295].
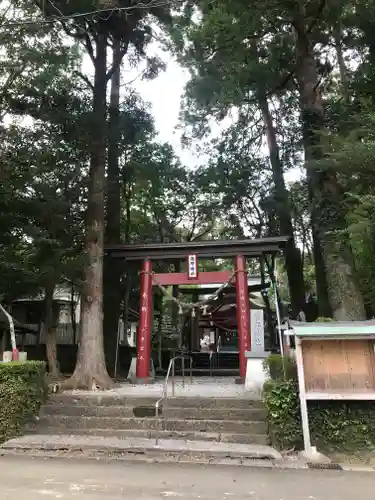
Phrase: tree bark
[112,267]
[175,294]
[293,261]
[49,328]
[3,342]
[90,371]
[332,252]
[365,23]
[72,308]
[341,63]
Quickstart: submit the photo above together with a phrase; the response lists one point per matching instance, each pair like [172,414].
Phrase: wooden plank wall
[334,365]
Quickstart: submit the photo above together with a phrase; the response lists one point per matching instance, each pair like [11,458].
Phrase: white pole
[11,328]
[278,319]
[117,348]
[302,395]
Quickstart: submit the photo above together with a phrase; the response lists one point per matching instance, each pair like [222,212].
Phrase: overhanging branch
[85,79]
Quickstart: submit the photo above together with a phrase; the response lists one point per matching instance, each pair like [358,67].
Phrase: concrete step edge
[167,419]
[82,430]
[117,395]
[81,404]
[52,404]
[225,437]
[251,462]
[101,399]
[166,414]
[182,459]
[134,450]
[74,442]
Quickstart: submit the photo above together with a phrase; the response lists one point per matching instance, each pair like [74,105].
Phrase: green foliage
[30,372]
[23,389]
[351,150]
[280,368]
[346,427]
[284,420]
[43,155]
[241,52]
[343,426]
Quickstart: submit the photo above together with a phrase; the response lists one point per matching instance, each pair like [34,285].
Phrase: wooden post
[302,395]
[145,324]
[243,313]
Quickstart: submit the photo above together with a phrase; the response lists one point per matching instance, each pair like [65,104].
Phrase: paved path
[35,479]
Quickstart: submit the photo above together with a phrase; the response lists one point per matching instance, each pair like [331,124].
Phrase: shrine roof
[207,249]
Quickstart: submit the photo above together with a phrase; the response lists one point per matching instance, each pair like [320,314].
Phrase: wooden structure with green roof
[335,361]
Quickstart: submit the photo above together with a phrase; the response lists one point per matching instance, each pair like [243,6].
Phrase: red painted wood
[204,278]
[145,321]
[243,312]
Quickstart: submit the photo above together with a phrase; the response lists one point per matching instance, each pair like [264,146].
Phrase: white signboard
[257,330]
[192,267]
[132,334]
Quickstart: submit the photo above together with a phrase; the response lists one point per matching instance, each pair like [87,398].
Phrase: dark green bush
[31,372]
[23,389]
[283,412]
[273,366]
[344,426]
[334,425]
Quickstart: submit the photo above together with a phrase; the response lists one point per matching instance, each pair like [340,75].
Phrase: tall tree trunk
[332,252]
[293,261]
[73,309]
[366,24]
[49,328]
[341,62]
[112,267]
[90,371]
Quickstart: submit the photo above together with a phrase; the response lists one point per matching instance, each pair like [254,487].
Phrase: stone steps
[169,412]
[190,419]
[111,399]
[119,423]
[224,437]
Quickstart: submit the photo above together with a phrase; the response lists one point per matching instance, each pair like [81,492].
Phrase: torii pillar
[243,314]
[145,325]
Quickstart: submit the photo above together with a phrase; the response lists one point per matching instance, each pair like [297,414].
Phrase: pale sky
[164,94]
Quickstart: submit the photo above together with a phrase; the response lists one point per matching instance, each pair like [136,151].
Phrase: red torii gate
[240,249]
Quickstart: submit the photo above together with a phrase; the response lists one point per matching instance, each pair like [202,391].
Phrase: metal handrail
[164,395]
